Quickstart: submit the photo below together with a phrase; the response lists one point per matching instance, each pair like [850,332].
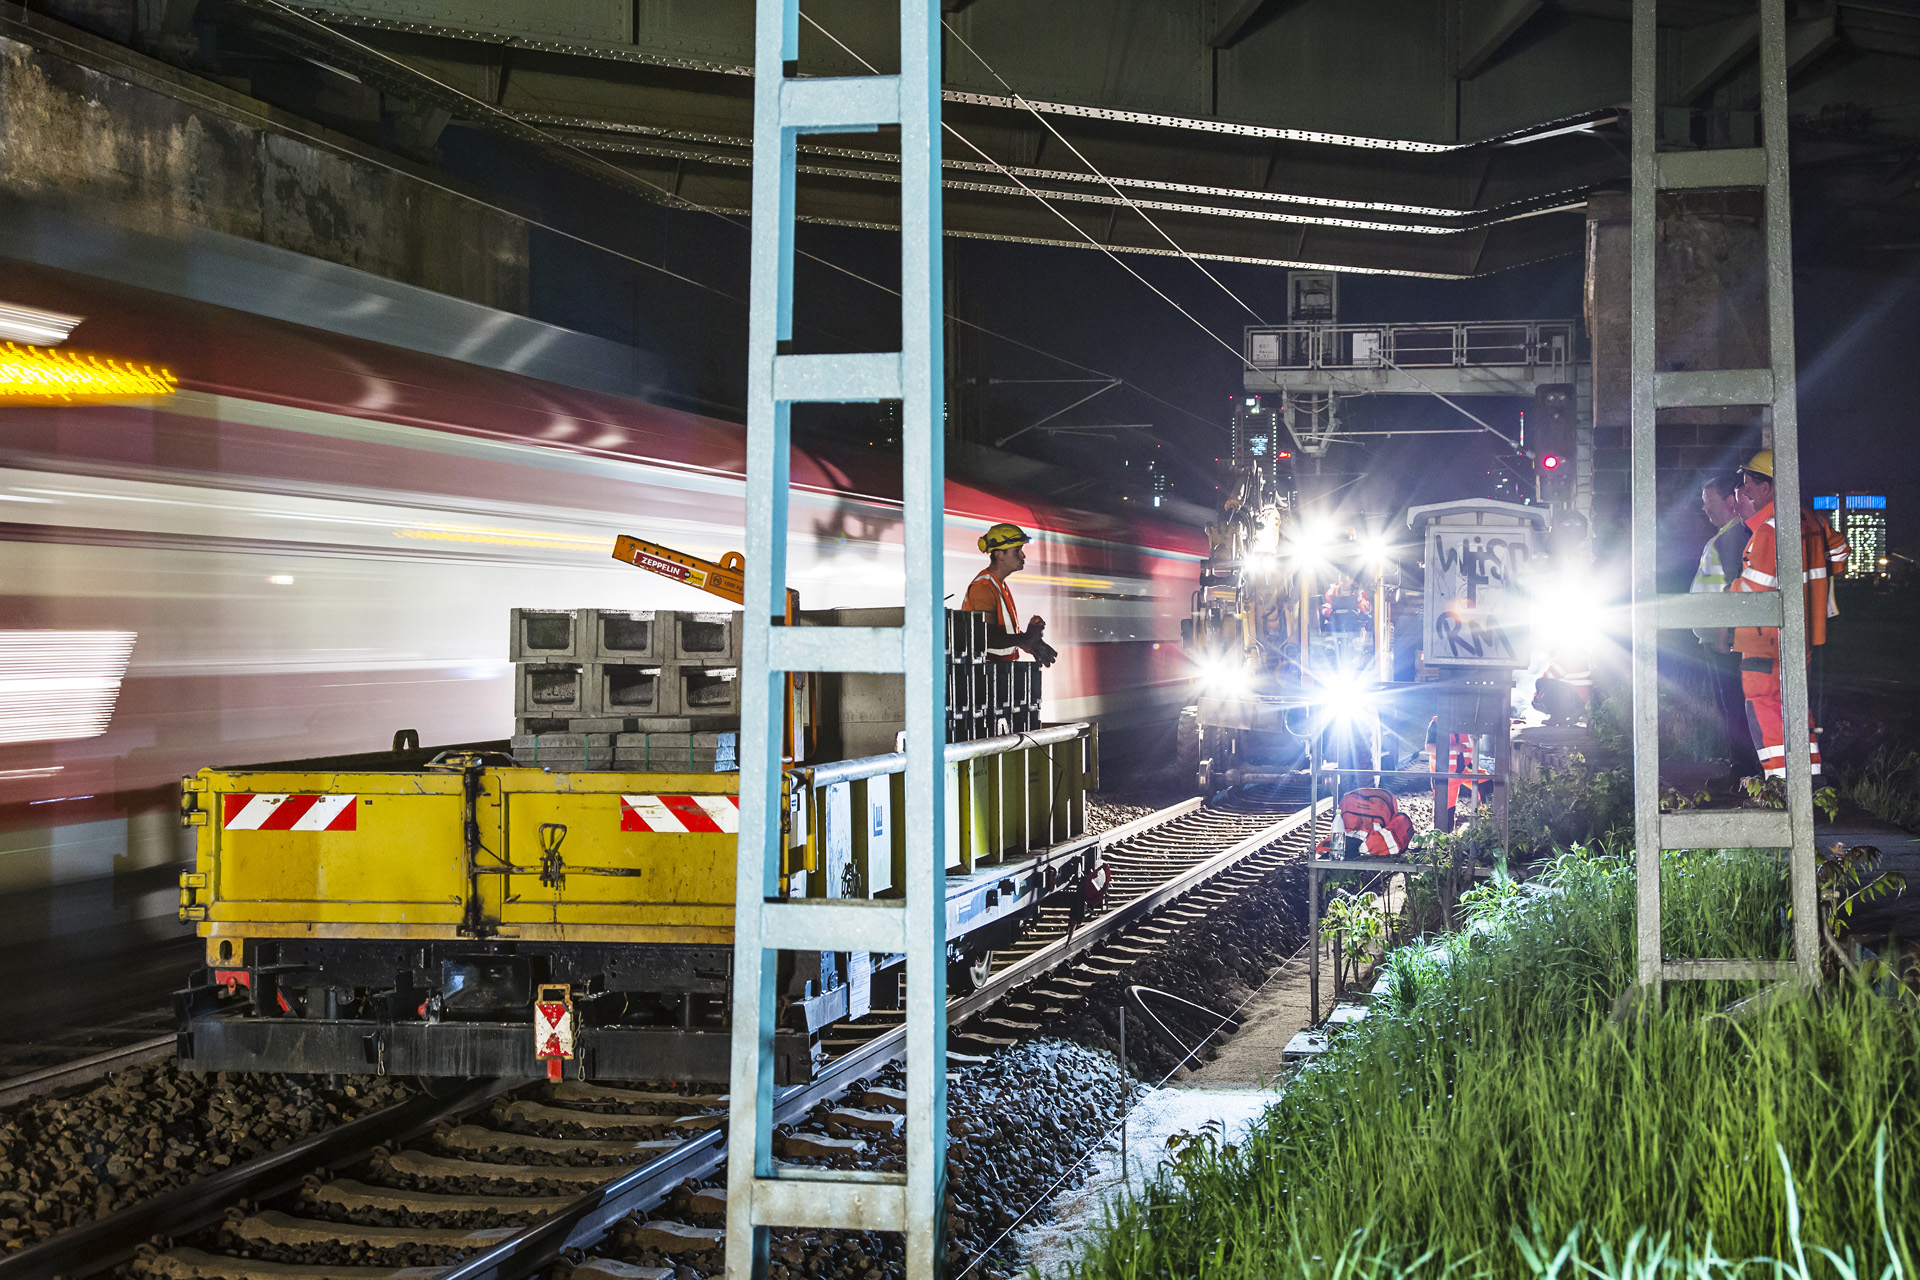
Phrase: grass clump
[1493,1119]
[1887,785]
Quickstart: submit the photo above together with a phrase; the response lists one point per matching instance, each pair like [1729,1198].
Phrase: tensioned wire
[1095,170]
[1311,945]
[1076,228]
[1130,203]
[514,127]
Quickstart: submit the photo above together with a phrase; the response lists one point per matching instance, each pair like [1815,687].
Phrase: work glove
[1043,653]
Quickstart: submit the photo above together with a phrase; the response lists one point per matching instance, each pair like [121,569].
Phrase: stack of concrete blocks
[652,690]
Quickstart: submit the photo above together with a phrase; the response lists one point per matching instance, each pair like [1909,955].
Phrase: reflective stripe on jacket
[988,594]
[1821,551]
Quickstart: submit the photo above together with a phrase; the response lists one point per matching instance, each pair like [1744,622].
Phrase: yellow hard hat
[1761,464]
[1002,536]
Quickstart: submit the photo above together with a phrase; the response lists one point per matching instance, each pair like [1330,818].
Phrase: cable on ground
[1311,945]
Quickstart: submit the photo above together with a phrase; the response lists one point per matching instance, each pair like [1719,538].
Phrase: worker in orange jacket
[1823,558]
[1006,549]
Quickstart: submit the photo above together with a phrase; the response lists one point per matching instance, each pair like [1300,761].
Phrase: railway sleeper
[615,1151]
[198,1264]
[858,1120]
[448,1170]
[673,1238]
[612,1269]
[347,1195]
[586,1091]
[818,1146]
[523,1111]
[271,1227]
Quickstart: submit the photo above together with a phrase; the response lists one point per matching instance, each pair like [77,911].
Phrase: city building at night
[1861,518]
[1864,524]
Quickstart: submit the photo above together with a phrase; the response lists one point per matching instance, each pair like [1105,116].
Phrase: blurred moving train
[316,541]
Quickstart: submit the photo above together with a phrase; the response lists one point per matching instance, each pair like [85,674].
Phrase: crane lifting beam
[727,579]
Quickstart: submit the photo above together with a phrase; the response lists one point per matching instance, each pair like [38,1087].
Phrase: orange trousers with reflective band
[1760,683]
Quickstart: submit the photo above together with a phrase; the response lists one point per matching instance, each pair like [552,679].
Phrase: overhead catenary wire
[1238,355]
[508,123]
[1128,200]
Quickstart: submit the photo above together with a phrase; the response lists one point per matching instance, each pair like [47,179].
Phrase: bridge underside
[1430,137]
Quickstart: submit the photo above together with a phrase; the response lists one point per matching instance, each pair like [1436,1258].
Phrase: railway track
[495,1183]
[84,1070]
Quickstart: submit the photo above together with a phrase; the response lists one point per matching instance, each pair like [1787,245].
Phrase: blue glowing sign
[1827,503]
[1865,502]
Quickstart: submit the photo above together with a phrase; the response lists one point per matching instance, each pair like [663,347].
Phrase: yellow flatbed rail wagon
[405,912]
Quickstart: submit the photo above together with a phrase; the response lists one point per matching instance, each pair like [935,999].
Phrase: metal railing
[1506,344]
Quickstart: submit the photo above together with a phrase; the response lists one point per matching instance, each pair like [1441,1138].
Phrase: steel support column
[762,1193]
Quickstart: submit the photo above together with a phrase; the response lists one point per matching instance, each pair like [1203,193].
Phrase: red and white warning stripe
[680,815]
[288,813]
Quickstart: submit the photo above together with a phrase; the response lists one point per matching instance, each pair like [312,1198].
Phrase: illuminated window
[38,375]
[1865,529]
[57,685]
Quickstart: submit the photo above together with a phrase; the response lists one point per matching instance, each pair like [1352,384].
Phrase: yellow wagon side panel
[590,851]
[375,848]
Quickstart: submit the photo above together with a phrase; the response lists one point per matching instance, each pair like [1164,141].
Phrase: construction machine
[1273,664]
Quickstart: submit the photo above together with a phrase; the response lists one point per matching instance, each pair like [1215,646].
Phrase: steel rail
[585,1223]
[107,1242]
[84,1070]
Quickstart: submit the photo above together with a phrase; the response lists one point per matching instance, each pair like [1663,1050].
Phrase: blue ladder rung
[839,378]
[833,925]
[1712,388]
[840,104]
[840,1204]
[879,650]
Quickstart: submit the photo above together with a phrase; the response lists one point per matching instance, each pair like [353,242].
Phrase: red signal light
[1549,463]
[1283,454]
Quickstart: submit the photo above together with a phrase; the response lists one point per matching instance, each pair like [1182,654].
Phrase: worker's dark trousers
[1724,671]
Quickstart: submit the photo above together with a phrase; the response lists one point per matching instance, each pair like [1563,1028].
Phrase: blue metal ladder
[760,1193]
[1764,168]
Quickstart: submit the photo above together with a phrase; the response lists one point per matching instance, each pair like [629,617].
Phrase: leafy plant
[1359,930]
[1611,718]
[1579,804]
[1845,878]
[1673,800]
[1187,1149]
[1827,800]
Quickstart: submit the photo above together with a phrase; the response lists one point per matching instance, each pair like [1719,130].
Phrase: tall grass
[1887,785]
[1492,1115]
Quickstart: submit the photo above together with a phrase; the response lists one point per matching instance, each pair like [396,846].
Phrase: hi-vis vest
[988,594]
[1823,557]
